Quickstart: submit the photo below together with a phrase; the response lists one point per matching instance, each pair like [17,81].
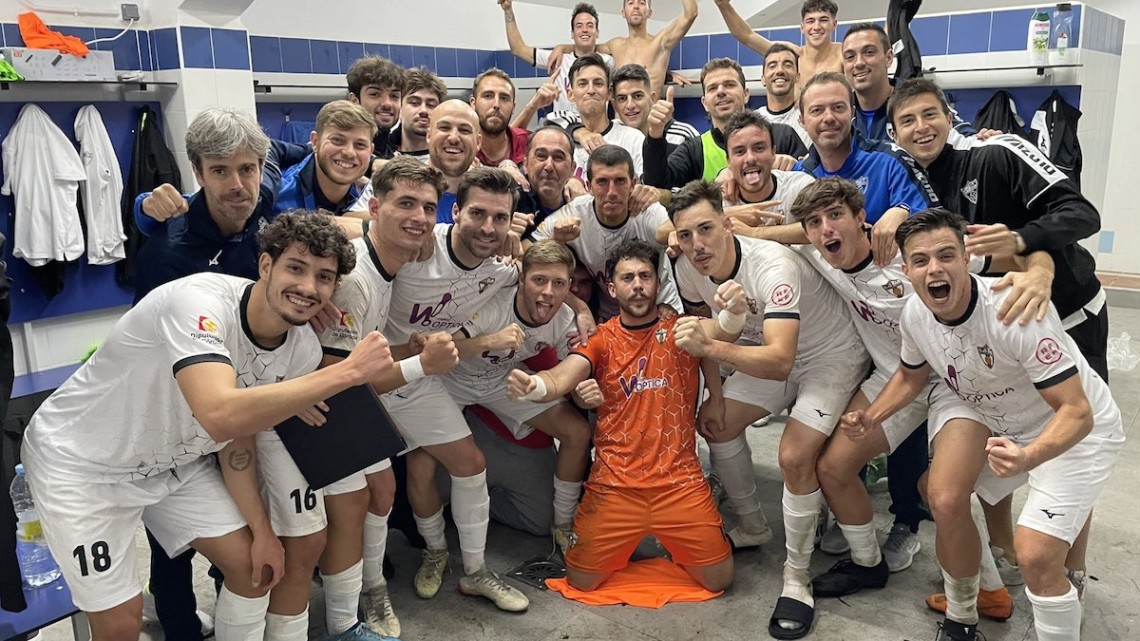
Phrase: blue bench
[46,605]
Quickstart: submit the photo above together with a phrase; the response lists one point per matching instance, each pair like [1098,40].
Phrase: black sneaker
[953,631]
[846,578]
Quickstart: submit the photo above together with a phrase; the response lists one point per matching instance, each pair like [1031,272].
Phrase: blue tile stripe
[211,48]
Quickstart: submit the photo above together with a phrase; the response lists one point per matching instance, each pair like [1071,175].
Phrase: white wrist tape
[729,322]
[538,392]
[412,368]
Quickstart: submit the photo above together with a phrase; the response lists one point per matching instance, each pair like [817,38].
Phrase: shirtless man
[817,22]
[641,47]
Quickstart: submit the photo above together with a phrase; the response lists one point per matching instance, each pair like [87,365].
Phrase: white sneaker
[376,612]
[900,547]
[1010,574]
[151,614]
[430,575]
[486,583]
[743,539]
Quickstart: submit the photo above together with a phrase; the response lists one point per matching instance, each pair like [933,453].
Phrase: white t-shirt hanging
[102,191]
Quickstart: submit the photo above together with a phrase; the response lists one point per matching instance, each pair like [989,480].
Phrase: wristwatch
[1019,243]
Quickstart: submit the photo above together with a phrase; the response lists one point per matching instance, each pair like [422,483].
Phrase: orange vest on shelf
[36,35]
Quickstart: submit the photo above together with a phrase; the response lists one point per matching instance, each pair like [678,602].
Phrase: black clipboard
[359,433]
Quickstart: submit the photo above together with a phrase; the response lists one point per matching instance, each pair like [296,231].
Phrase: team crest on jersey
[661,334]
[862,182]
[970,191]
[987,355]
[782,295]
[951,378]
[262,223]
[894,287]
[485,283]
[753,308]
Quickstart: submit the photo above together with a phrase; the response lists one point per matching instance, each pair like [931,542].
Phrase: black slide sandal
[789,609]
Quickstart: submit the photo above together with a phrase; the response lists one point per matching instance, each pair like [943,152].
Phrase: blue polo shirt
[887,176]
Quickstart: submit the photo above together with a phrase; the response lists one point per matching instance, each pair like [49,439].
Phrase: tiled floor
[896,613]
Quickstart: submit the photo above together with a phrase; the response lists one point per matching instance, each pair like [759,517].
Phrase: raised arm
[744,33]
[549,384]
[519,47]
[673,32]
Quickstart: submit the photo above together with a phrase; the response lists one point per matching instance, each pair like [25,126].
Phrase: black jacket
[1000,113]
[1007,180]
[667,169]
[152,164]
[11,590]
[899,15]
[1054,130]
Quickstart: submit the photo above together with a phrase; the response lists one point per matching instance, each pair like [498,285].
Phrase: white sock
[732,462]
[1056,618]
[990,579]
[864,546]
[566,495]
[342,598]
[375,540]
[239,618]
[471,509]
[432,528]
[287,627]
[961,598]
[801,515]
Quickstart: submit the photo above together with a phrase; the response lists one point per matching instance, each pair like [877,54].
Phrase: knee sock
[239,618]
[961,598]
[471,509]
[1056,618]
[431,528]
[566,495]
[375,540]
[287,627]
[342,598]
[732,461]
[864,546]
[989,580]
[801,515]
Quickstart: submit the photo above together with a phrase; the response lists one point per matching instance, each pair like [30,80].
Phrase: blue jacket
[887,176]
[299,190]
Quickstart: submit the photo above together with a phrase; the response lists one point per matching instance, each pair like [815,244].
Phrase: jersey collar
[376,259]
[518,313]
[638,328]
[736,265]
[969,310]
[866,261]
[245,321]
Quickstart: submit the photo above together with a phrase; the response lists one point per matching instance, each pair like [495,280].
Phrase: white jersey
[788,186]
[562,102]
[999,369]
[618,134]
[42,170]
[486,372]
[875,298]
[102,191]
[122,416]
[778,283]
[789,117]
[596,241]
[440,294]
[362,299]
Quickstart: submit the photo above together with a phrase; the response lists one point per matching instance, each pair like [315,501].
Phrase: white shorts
[936,404]
[1062,490]
[513,414]
[294,508]
[357,480]
[426,414]
[820,389]
[90,527]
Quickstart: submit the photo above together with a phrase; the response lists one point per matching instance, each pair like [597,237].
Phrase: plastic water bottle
[1062,24]
[36,563]
[1038,41]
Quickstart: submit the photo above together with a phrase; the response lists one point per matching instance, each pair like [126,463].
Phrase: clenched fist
[439,355]
[164,202]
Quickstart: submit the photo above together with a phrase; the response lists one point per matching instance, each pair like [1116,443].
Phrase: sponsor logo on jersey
[214,261]
[495,359]
[424,315]
[280,377]
[1048,351]
[782,294]
[951,378]
[862,183]
[638,383]
[207,331]
[348,320]
[753,308]
[970,191]
[868,315]
[262,223]
[485,283]
[1051,514]
[894,287]
[987,355]
[541,345]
